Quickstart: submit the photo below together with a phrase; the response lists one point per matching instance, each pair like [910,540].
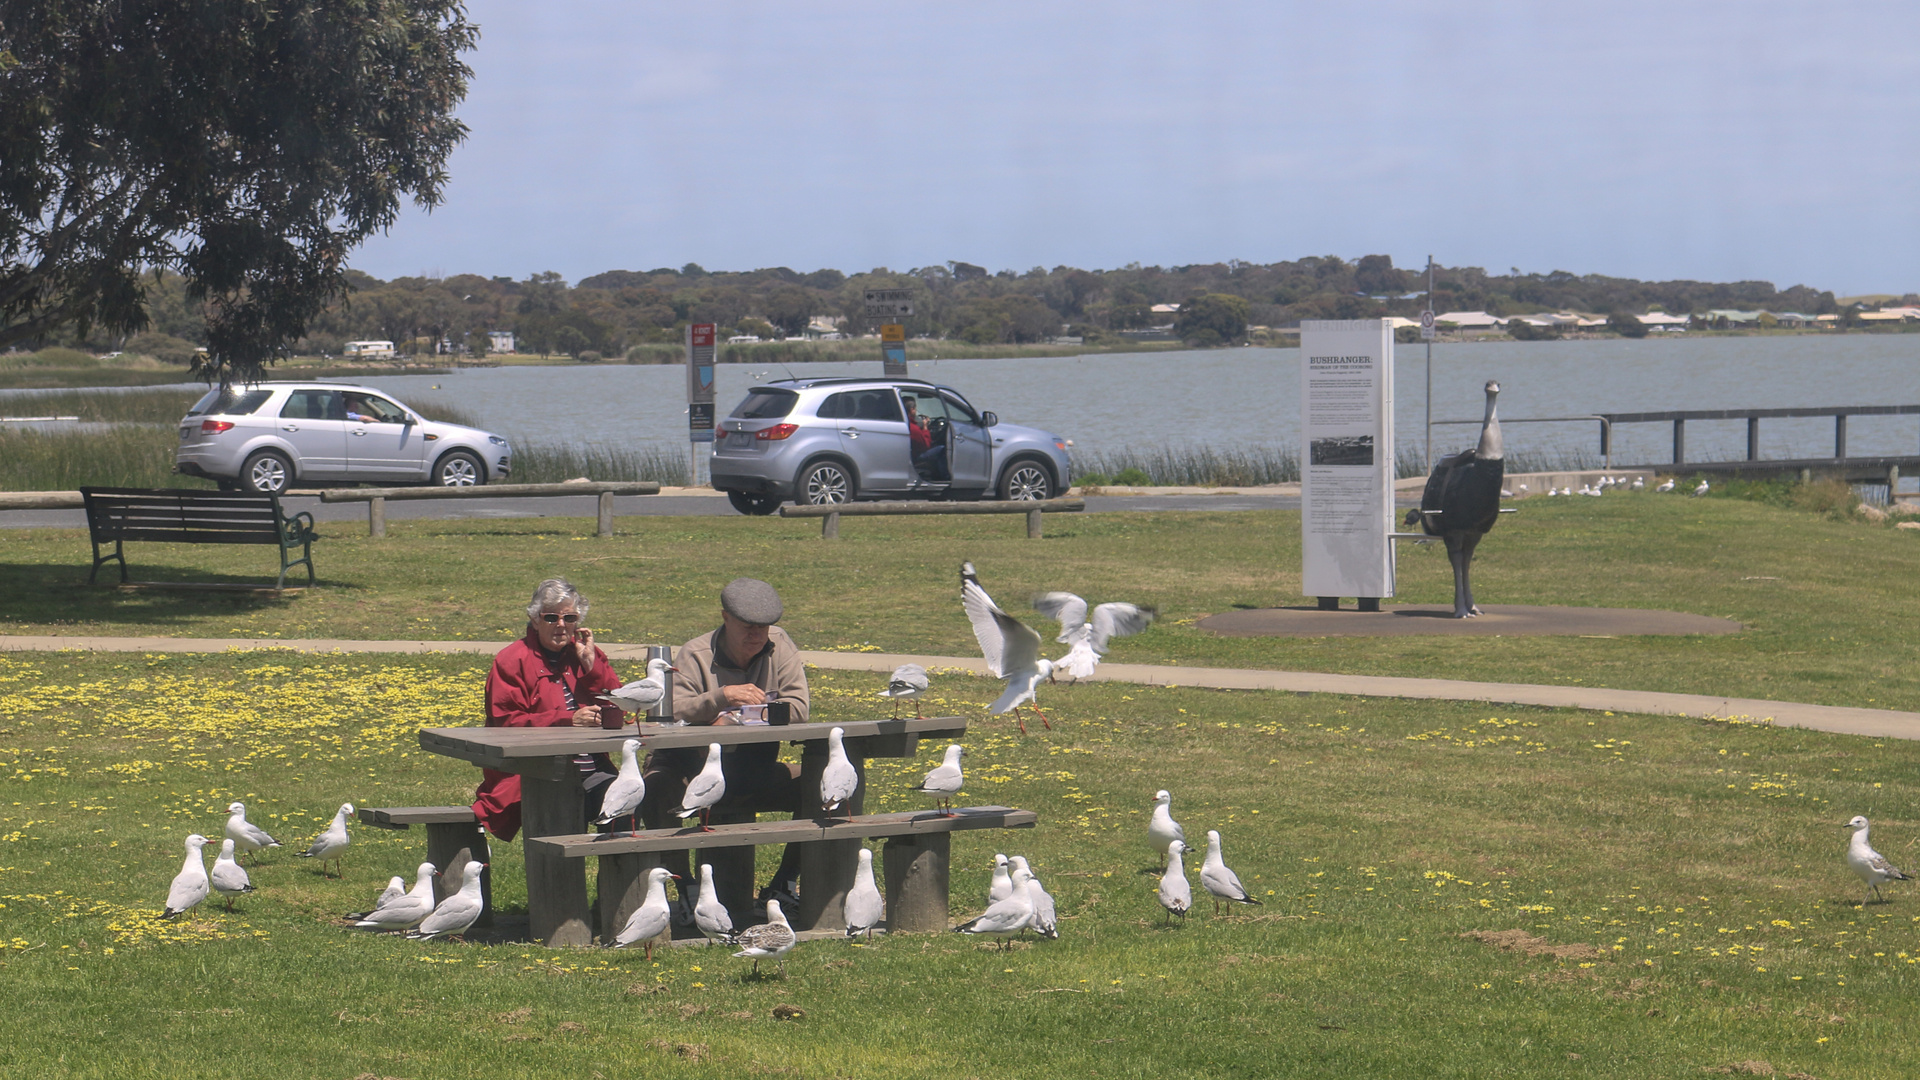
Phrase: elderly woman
[549,678]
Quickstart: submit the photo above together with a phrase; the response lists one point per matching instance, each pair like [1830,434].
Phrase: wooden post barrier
[831,513]
[376,498]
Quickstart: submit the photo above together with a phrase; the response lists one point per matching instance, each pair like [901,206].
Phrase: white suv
[267,436]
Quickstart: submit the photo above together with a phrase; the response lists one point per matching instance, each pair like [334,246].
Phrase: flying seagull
[1087,638]
[1011,648]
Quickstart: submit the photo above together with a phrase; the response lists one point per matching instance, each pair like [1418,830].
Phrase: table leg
[450,847]
[827,866]
[557,909]
[917,868]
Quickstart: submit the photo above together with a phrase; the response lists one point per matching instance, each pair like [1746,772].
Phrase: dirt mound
[1522,942]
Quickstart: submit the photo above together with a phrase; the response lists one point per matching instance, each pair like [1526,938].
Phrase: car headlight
[496,440]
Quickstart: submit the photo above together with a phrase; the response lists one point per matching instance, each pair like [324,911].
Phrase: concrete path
[1840,719]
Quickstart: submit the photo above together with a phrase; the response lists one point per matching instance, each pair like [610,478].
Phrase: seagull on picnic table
[1161,828]
[652,917]
[641,695]
[944,780]
[709,914]
[704,790]
[1006,917]
[1011,648]
[907,681]
[1220,881]
[405,911]
[1665,486]
[840,779]
[1001,886]
[862,905]
[1868,865]
[1701,490]
[457,913]
[771,940]
[190,884]
[1176,895]
[332,842]
[246,836]
[622,799]
[229,878]
[1086,637]
[1044,923]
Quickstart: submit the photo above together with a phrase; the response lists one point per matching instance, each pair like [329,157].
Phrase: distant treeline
[612,312]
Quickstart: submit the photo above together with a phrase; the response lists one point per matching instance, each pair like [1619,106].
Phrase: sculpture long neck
[1491,448]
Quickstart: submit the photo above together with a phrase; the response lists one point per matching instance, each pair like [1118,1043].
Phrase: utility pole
[1427,330]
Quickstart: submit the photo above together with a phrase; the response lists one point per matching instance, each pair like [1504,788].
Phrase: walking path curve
[1840,719]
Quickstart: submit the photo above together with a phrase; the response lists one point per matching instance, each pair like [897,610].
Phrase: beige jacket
[777,670]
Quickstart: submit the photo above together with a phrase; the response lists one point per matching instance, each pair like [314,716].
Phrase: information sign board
[1346,458]
[700,361]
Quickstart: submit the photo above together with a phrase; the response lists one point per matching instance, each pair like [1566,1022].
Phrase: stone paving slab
[1496,620]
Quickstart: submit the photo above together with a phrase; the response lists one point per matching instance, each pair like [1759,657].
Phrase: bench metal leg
[451,845]
[827,866]
[917,868]
[623,888]
[557,909]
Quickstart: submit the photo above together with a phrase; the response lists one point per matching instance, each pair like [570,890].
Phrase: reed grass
[553,463]
[158,406]
[132,455]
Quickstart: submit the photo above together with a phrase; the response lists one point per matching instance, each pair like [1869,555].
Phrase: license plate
[740,439]
[185,434]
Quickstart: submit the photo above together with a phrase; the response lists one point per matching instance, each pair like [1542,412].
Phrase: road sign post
[700,360]
[893,350]
[888,307]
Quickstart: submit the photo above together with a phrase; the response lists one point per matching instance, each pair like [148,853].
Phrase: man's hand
[743,694]
[587,716]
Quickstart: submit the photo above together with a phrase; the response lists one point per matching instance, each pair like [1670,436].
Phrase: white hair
[552,593]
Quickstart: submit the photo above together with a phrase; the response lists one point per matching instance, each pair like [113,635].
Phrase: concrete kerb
[1838,719]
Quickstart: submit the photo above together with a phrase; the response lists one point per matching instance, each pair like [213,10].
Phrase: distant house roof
[1165,309]
[1894,314]
[1661,318]
[1395,322]
[1470,320]
[1733,316]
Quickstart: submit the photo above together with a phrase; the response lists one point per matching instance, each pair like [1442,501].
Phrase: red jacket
[524,689]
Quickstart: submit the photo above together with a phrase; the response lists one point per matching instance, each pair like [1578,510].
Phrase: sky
[1657,140]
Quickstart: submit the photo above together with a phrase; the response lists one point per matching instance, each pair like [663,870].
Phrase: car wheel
[825,482]
[458,469]
[1026,481]
[266,473]
[755,505]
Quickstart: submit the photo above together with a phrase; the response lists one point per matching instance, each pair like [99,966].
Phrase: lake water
[1228,397]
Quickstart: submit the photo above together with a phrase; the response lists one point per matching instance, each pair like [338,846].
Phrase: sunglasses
[550,618]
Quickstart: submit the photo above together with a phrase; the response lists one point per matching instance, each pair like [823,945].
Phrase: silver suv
[834,440]
[267,436]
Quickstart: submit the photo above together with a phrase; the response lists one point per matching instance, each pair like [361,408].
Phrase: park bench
[831,513]
[184,516]
[454,839]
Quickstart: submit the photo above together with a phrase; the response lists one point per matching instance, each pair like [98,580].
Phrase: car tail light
[215,427]
[776,432]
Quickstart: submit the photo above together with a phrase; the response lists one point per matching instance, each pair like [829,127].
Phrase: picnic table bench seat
[454,838]
[187,516]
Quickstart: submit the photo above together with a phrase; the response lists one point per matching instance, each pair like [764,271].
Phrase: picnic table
[553,817]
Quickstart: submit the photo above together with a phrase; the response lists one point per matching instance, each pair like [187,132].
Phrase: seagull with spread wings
[1088,637]
[1011,648]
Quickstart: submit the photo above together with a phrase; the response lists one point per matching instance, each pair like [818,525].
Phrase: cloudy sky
[1674,139]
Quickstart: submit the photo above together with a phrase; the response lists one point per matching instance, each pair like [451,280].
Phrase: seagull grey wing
[230,877]
[705,790]
[943,780]
[186,892]
[985,616]
[1020,644]
[1221,881]
[907,680]
[1118,620]
[1066,607]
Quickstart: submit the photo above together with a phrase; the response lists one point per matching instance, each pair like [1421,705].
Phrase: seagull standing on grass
[229,878]
[1701,490]
[332,842]
[1087,638]
[457,913]
[190,884]
[641,695]
[705,790]
[771,940]
[1001,886]
[1176,895]
[1665,486]
[1639,484]
[396,888]
[1007,917]
[944,781]
[622,799]
[1220,881]
[246,836]
[652,917]
[907,681]
[1868,865]
[1011,649]
[1043,914]
[840,779]
[862,905]
[1161,828]
[405,911]
[709,914]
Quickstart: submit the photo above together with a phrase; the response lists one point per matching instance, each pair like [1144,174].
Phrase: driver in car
[927,456]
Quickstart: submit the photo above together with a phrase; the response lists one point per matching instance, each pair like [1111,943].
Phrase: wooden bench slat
[399,817]
[917,822]
[495,746]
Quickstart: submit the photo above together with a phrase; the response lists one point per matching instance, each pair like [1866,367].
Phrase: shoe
[784,893]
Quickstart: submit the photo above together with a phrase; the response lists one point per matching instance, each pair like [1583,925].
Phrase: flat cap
[751,600]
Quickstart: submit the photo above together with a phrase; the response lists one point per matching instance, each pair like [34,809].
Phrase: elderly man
[747,661]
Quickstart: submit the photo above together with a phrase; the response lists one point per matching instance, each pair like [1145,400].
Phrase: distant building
[500,341]
[1891,315]
[744,339]
[1165,309]
[1469,320]
[369,350]
[1656,320]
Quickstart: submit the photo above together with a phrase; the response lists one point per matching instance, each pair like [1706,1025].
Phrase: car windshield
[766,403]
[229,403]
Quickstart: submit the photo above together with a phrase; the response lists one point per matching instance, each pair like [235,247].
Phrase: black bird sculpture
[1462,502]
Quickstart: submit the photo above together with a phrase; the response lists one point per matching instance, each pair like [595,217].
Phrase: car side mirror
[988,419]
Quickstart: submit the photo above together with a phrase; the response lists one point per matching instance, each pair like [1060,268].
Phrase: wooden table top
[498,747]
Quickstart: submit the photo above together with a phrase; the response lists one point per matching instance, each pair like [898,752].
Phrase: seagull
[641,695]
[652,917]
[1524,489]
[704,790]
[944,781]
[190,884]
[709,914]
[840,779]
[1505,494]
[622,799]
[1006,917]
[1011,648]
[771,940]
[1869,865]
[396,888]
[1175,894]
[405,911]
[457,913]
[229,879]
[1043,916]
[1639,484]
[1701,490]
[1087,638]
[1001,886]
[1595,492]
[862,904]
[1665,486]
[1553,492]
[1161,828]
[1219,880]
[907,681]
[332,842]
[246,835]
